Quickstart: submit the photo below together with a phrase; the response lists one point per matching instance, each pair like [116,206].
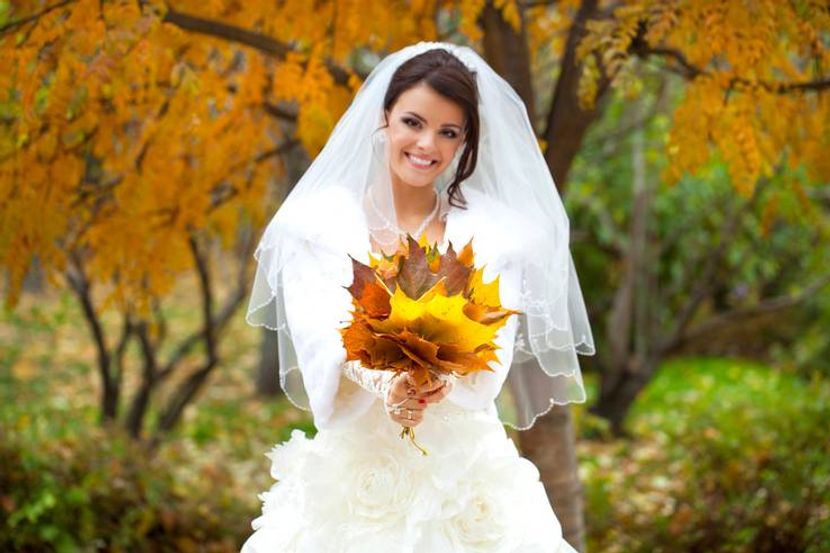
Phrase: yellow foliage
[127,133]
[740,51]
[437,317]
[121,133]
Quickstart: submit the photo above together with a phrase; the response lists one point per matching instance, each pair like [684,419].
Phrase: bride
[434,142]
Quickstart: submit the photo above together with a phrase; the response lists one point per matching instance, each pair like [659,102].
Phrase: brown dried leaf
[414,277]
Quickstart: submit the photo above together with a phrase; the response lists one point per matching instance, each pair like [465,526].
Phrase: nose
[426,141]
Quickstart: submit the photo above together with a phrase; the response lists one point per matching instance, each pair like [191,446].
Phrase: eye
[449,133]
[411,122]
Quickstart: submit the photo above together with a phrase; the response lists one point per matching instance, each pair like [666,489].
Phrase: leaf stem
[409,431]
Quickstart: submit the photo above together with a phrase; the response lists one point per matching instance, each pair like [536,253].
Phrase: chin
[419,182]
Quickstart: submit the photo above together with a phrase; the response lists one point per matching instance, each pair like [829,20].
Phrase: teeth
[421,162]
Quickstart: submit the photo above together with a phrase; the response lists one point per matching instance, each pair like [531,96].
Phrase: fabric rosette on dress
[359,489]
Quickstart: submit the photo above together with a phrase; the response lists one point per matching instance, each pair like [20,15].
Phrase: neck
[412,203]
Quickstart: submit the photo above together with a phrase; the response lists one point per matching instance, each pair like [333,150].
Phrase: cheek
[450,151]
[398,137]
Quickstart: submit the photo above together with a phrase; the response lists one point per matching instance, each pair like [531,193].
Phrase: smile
[420,162]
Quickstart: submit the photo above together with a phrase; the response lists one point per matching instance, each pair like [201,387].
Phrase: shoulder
[309,209]
[330,215]
[500,233]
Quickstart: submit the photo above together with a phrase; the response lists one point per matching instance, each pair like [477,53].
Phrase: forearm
[375,381]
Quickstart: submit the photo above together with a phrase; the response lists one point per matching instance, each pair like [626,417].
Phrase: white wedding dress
[362,489]
[357,487]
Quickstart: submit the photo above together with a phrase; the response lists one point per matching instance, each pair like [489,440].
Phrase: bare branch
[566,122]
[232,33]
[220,321]
[641,48]
[280,112]
[763,307]
[81,286]
[783,88]
[11,25]
[149,373]
[702,286]
[283,148]
[127,330]
[536,3]
[212,326]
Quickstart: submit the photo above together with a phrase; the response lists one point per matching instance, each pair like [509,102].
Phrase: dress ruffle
[359,488]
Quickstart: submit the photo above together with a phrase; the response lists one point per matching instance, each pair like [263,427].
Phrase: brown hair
[449,77]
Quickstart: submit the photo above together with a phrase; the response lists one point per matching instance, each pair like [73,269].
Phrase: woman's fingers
[410,403]
[408,411]
[439,393]
[400,388]
[405,393]
[407,417]
[430,387]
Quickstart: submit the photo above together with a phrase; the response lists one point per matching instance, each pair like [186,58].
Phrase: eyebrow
[416,116]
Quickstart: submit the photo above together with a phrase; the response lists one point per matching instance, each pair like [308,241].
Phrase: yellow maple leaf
[483,293]
[438,318]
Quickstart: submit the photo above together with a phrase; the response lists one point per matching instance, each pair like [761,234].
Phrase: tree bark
[631,360]
[618,396]
[566,122]
[550,443]
[507,52]
[82,288]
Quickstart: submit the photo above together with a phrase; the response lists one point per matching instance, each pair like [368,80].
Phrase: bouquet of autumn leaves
[424,313]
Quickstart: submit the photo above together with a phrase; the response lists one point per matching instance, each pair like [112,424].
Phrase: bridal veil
[325,218]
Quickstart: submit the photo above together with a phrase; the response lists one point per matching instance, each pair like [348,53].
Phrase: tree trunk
[81,286]
[550,443]
[507,52]
[633,341]
[615,400]
[567,122]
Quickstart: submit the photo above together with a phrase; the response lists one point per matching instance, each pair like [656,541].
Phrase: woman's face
[424,132]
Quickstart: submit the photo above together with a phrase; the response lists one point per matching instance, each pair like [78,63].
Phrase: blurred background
[144,145]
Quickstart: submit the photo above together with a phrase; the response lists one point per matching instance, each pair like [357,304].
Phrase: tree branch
[212,326]
[232,33]
[127,330]
[11,25]
[81,285]
[566,122]
[640,47]
[185,392]
[702,287]
[141,399]
[763,307]
[280,112]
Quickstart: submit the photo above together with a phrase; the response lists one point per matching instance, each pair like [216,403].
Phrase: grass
[49,392]
[684,386]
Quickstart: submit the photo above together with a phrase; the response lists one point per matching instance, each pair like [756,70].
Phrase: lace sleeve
[376,382]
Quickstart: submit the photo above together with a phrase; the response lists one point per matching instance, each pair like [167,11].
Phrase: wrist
[386,385]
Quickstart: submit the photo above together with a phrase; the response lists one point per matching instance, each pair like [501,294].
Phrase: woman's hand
[406,402]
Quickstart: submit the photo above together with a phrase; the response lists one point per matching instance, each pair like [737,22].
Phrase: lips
[420,162]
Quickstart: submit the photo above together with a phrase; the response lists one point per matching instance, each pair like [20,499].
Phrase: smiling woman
[431,121]
[421,147]
[428,146]
[441,86]
[355,487]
